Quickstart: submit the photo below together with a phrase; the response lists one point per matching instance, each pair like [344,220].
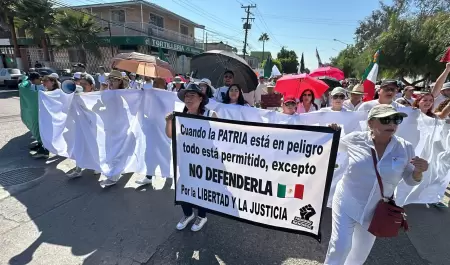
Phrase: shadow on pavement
[8,93]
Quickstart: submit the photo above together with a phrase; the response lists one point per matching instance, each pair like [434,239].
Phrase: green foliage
[76,30]
[288,60]
[35,17]
[275,62]
[411,34]
[264,37]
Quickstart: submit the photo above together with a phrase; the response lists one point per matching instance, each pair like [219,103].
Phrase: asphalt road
[52,220]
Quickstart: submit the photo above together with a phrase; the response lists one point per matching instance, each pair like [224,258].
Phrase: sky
[299,25]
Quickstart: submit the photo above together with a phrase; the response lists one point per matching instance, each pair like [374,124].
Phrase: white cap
[124,74]
[55,75]
[77,75]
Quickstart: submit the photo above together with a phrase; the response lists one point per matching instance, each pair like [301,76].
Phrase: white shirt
[328,109]
[134,84]
[260,90]
[411,101]
[438,100]
[147,85]
[367,106]
[349,105]
[358,192]
[219,92]
[301,108]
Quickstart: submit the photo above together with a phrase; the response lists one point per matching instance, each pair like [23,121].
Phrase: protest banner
[267,174]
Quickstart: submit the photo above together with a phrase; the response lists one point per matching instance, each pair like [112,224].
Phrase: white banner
[269,174]
[119,131]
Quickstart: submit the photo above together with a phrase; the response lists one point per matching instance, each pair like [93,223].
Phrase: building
[260,56]
[138,26]
[219,46]
[253,62]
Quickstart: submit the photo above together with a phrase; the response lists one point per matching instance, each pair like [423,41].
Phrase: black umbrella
[213,64]
[330,81]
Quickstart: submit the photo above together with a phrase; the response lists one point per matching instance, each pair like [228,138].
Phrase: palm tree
[36,17]
[7,13]
[78,30]
[264,37]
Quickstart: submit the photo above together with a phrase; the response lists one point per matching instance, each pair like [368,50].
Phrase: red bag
[388,217]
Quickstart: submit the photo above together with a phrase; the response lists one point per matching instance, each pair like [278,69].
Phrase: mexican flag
[370,78]
[290,191]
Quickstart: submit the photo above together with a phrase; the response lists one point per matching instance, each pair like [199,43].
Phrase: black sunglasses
[290,103]
[394,119]
[338,96]
[389,88]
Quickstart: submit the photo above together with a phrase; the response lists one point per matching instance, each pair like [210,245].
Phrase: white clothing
[411,101]
[147,85]
[301,108]
[367,106]
[350,243]
[328,109]
[102,78]
[398,95]
[438,100]
[220,92]
[358,192]
[261,89]
[208,113]
[134,84]
[349,105]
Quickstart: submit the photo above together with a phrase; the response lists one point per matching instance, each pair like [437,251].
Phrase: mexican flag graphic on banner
[290,191]
[370,78]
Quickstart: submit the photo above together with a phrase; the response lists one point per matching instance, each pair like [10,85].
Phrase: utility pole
[247,26]
[206,43]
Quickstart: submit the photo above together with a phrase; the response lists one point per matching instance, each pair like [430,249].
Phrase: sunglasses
[289,104]
[307,95]
[392,119]
[389,89]
[338,96]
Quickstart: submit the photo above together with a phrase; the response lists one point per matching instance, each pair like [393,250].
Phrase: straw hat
[357,89]
[114,74]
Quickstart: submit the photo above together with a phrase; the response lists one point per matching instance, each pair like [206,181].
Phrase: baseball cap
[77,75]
[79,65]
[384,110]
[55,75]
[289,99]
[389,82]
[446,86]
[338,90]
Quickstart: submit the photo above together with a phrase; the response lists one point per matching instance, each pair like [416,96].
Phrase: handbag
[388,218]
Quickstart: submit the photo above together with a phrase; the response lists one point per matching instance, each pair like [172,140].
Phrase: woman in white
[358,192]
[306,103]
[337,100]
[406,100]
[356,98]
[195,103]
[235,96]
[134,84]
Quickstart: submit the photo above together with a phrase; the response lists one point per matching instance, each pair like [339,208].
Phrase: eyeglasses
[307,95]
[338,96]
[392,119]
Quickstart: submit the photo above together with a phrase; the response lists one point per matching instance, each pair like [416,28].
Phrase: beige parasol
[142,64]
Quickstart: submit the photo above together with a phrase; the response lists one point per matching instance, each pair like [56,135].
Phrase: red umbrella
[294,85]
[328,71]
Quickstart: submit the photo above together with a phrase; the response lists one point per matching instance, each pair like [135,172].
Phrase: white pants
[350,243]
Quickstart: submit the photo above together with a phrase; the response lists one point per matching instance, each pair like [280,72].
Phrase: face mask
[38,87]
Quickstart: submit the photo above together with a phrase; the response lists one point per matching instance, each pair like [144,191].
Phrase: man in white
[441,90]
[261,89]
[356,96]
[134,84]
[228,80]
[387,92]
[102,76]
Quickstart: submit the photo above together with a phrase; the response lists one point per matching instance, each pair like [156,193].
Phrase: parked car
[9,77]
[64,74]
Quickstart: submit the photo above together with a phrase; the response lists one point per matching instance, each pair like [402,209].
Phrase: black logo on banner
[306,212]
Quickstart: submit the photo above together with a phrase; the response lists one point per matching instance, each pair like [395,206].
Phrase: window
[157,20]
[184,30]
[118,16]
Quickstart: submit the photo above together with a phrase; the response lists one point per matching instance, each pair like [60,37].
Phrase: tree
[7,13]
[36,17]
[264,37]
[288,60]
[275,62]
[78,30]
